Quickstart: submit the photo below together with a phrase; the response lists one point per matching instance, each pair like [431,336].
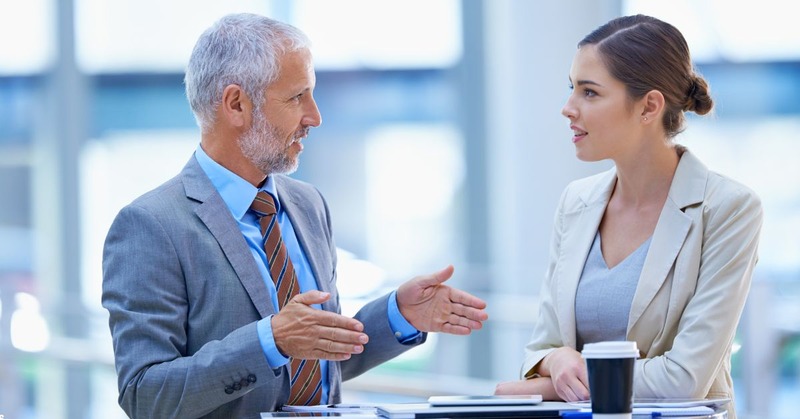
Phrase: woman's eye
[589,93]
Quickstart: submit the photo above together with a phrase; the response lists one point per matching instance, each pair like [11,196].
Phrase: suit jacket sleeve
[145,292]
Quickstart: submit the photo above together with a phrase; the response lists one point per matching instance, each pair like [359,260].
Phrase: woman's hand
[538,385]
[567,370]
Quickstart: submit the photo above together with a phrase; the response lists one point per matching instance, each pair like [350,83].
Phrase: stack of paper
[647,408]
[425,410]
[647,412]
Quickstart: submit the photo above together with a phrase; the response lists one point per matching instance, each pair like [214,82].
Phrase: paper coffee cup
[610,366]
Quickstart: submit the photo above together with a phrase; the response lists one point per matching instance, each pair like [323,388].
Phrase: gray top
[603,299]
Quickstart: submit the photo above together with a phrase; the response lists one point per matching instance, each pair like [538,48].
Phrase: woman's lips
[578,134]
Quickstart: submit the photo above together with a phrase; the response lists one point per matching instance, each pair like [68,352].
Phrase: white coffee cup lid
[617,349]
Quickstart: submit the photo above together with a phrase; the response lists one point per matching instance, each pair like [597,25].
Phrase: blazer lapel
[672,228]
[580,229]
[213,212]
[305,228]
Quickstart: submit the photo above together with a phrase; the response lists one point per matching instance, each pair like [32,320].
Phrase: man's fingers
[331,350]
[455,329]
[329,356]
[345,336]
[470,313]
[464,322]
[334,320]
[304,332]
[311,297]
[466,299]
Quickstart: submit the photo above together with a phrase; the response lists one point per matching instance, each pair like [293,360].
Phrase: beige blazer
[692,288]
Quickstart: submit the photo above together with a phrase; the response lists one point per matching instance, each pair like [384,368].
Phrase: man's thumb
[437,278]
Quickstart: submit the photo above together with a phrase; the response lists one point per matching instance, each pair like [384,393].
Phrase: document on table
[669,403]
[425,410]
[649,412]
[645,408]
[673,411]
[332,408]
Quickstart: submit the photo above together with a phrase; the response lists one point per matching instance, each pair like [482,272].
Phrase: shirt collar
[237,193]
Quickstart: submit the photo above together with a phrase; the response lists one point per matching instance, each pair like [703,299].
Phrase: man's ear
[652,106]
[235,107]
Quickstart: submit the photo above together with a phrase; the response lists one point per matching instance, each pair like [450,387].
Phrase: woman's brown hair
[648,54]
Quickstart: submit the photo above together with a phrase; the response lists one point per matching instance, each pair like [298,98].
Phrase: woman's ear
[235,107]
[652,106]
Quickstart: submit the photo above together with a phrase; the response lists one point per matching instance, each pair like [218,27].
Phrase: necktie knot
[264,204]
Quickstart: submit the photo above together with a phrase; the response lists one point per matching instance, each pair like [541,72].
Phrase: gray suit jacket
[690,293]
[184,294]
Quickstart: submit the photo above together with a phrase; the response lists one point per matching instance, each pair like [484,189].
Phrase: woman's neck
[645,177]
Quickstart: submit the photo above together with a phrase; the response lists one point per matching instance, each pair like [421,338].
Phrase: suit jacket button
[251,378]
[237,386]
[229,390]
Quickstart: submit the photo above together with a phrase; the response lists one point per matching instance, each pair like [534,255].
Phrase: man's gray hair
[241,49]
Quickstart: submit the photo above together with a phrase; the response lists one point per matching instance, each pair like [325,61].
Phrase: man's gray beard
[263,146]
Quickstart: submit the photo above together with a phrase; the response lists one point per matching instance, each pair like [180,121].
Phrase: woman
[658,250]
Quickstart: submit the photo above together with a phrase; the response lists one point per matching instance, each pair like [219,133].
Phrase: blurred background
[455,104]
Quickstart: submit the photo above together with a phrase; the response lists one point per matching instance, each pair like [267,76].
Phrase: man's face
[273,142]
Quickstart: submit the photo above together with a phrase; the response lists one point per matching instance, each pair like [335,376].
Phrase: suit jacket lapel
[582,225]
[688,188]
[305,228]
[213,212]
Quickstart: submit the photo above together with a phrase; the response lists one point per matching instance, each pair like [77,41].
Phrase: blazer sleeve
[145,293]
[546,331]
[731,218]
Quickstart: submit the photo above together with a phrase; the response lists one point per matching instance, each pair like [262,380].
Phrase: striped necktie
[306,378]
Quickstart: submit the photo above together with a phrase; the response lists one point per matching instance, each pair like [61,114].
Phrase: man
[200,275]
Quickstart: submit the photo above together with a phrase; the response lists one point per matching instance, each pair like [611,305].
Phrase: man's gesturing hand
[431,306]
[301,331]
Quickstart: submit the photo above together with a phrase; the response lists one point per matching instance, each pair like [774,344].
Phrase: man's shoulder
[165,202]
[166,192]
[191,183]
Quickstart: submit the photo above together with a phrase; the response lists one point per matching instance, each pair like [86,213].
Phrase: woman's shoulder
[724,189]
[729,201]
[714,186]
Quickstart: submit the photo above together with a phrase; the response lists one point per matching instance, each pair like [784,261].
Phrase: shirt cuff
[275,358]
[402,329]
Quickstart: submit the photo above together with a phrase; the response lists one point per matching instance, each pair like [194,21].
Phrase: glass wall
[412,156]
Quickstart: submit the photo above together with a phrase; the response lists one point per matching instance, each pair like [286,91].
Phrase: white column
[529,50]
[63,386]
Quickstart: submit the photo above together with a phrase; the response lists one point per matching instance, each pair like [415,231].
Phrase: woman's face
[603,120]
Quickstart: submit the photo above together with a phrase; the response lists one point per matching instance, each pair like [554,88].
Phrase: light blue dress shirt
[238,194]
